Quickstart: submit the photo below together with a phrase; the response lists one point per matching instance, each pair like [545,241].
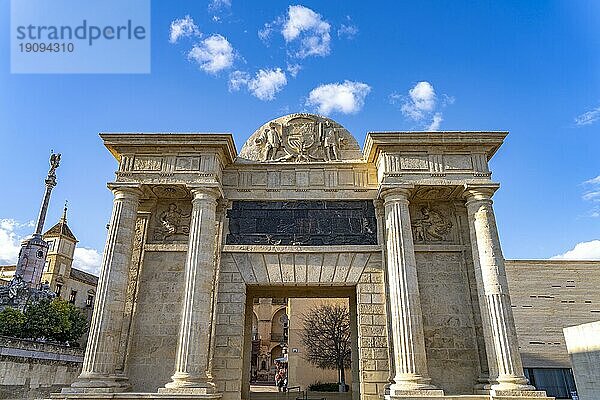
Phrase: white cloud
[213,54]
[592,194]
[293,69]
[87,259]
[302,23]
[346,98]
[348,31]
[582,251]
[435,123]
[593,181]
[237,79]
[588,118]
[265,84]
[216,5]
[420,101]
[184,27]
[11,234]
[421,105]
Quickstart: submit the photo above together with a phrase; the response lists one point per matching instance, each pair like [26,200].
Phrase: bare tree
[326,337]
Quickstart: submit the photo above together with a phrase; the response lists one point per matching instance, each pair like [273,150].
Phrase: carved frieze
[171,221]
[301,138]
[302,223]
[432,223]
[147,163]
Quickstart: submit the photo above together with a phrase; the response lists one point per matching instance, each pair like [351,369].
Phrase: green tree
[11,322]
[75,323]
[56,320]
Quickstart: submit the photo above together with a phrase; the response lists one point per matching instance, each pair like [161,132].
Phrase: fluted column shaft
[192,363]
[487,250]
[405,306]
[101,355]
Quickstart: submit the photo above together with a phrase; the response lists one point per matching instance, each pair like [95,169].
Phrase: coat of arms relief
[299,138]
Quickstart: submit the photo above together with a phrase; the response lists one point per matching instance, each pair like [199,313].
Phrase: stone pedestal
[99,373]
[192,375]
[489,264]
[411,377]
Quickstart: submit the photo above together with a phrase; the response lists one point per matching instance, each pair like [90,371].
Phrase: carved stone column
[409,356]
[489,265]
[101,361]
[192,373]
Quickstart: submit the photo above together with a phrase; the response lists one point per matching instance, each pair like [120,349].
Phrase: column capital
[396,193]
[474,193]
[202,192]
[126,190]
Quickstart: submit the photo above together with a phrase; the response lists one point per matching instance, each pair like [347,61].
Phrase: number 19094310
[46,47]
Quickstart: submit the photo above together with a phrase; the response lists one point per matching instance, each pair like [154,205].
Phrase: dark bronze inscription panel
[304,223]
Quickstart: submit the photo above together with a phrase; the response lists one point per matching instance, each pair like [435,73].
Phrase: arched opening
[279,326]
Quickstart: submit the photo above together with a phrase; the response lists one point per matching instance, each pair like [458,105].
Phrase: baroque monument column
[102,352]
[490,262]
[192,373]
[409,356]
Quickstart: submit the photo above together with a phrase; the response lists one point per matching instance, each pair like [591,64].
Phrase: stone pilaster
[505,360]
[99,372]
[410,363]
[192,373]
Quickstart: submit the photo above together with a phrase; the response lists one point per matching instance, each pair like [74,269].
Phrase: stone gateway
[405,230]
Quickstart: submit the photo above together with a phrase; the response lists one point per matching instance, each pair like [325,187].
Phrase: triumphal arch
[404,229]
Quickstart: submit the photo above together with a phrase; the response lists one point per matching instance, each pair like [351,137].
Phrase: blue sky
[531,68]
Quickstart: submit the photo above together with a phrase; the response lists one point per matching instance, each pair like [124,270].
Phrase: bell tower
[61,248]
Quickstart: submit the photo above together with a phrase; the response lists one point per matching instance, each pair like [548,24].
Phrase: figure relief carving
[301,138]
[173,223]
[432,226]
[270,139]
[141,163]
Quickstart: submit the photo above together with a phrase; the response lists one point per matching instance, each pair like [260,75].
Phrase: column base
[417,394]
[186,383]
[134,396]
[518,394]
[198,391]
[98,383]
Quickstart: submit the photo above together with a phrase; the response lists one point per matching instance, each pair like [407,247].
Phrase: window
[90,300]
[57,289]
[72,296]
[557,382]
[50,245]
[46,266]
[62,269]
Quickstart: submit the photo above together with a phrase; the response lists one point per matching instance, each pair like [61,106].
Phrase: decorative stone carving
[139,239]
[301,138]
[170,192]
[145,163]
[172,222]
[432,226]
[302,223]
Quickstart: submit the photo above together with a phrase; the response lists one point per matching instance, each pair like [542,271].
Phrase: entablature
[169,158]
[299,180]
[424,157]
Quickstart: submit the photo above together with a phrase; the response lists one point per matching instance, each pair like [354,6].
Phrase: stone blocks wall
[448,323]
[155,326]
[229,331]
[31,370]
[372,333]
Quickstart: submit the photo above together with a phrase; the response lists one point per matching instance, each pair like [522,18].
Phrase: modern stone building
[404,230]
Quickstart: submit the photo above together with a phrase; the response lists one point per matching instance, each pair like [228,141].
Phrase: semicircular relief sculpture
[301,138]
